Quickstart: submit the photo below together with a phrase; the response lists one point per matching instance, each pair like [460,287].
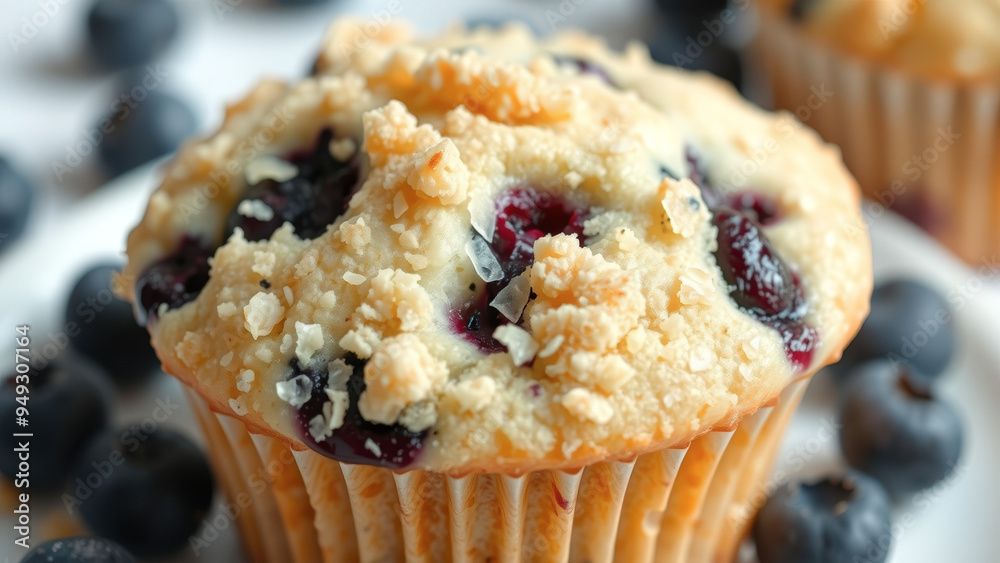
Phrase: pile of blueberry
[897,434]
[143,486]
[699,35]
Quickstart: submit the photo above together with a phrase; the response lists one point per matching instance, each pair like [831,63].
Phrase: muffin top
[489,252]
[934,39]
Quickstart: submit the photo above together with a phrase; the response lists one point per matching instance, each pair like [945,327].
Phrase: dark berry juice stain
[916,206]
[174,280]
[762,284]
[523,215]
[399,446]
[311,201]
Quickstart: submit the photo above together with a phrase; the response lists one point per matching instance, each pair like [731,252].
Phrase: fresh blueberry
[761,284]
[897,430]
[523,215]
[843,518]
[124,33]
[141,130]
[300,2]
[67,404]
[356,440]
[78,550]
[800,9]
[104,328]
[17,195]
[695,42]
[311,201]
[148,490]
[909,323]
[683,6]
[173,280]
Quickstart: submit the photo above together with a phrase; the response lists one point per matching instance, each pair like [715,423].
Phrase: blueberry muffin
[911,93]
[485,294]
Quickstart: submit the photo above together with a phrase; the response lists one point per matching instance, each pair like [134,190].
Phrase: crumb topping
[617,339]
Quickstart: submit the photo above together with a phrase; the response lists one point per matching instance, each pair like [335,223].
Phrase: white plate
[956,521]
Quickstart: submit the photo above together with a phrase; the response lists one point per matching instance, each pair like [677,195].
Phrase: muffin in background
[489,297]
[910,91]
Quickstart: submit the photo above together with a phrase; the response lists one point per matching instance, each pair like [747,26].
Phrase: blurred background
[95,94]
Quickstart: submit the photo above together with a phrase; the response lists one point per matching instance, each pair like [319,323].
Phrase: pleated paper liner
[689,505]
[930,150]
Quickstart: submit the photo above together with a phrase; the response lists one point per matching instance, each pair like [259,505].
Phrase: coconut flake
[519,343]
[511,300]
[483,214]
[483,260]
[318,429]
[371,446]
[335,409]
[269,167]
[255,209]
[296,391]
[338,373]
[399,205]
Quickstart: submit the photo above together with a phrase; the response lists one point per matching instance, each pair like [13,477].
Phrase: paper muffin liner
[690,504]
[930,150]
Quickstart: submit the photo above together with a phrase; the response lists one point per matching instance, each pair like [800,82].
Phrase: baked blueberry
[103,328]
[311,200]
[897,430]
[356,440]
[124,33]
[141,130]
[523,215]
[78,550]
[173,280]
[910,323]
[145,489]
[17,195]
[68,404]
[761,283]
[842,518]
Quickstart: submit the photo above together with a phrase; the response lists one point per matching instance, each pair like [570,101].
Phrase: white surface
[956,521]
